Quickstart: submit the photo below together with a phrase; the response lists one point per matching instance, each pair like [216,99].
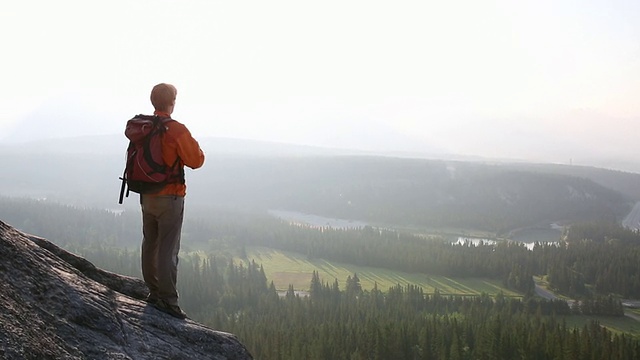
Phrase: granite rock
[57,305]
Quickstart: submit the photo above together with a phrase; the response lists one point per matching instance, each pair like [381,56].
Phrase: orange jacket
[178,142]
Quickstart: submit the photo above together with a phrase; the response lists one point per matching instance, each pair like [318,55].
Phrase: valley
[296,254]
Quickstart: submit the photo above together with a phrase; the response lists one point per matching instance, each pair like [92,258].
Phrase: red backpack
[145,172]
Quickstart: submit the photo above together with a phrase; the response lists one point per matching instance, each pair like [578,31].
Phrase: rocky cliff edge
[56,305]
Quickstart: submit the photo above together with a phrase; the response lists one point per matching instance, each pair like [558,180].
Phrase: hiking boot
[173,310]
[151,299]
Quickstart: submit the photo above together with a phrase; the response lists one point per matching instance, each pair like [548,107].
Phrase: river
[315,220]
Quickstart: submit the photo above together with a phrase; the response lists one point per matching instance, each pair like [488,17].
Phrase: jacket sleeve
[188,149]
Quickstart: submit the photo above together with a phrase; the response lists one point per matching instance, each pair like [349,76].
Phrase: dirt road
[542,292]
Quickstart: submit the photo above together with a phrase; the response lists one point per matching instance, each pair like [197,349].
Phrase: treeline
[581,269]
[602,231]
[588,266]
[70,225]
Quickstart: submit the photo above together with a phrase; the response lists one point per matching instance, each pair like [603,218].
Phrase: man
[162,212]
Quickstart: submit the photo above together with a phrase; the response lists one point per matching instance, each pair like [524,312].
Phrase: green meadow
[621,325]
[285,268]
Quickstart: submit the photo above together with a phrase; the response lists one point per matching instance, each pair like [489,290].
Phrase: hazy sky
[549,80]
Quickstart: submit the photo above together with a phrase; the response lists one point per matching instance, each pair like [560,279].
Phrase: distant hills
[410,192]
[398,189]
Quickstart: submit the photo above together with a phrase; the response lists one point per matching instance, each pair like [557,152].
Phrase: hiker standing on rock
[163,210]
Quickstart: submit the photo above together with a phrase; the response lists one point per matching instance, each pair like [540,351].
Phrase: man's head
[163,97]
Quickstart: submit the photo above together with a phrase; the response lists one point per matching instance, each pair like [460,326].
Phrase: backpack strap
[180,173]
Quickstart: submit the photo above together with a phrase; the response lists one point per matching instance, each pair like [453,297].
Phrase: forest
[595,263]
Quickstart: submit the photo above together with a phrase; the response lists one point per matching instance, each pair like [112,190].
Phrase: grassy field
[623,324]
[284,268]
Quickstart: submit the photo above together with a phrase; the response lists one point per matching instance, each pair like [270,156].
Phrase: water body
[321,221]
[478,241]
[632,221]
[315,220]
[474,241]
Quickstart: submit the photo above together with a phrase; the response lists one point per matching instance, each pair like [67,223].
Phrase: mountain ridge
[116,144]
[356,186]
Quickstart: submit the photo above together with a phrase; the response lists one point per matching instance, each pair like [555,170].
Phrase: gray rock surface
[56,305]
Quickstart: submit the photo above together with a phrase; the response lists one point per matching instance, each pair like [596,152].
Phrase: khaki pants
[161,227]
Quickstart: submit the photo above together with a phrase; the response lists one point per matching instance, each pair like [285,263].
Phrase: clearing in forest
[285,268]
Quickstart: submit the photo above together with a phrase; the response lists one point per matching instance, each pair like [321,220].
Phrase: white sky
[552,80]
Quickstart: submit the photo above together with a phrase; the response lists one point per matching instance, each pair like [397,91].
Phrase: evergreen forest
[594,268]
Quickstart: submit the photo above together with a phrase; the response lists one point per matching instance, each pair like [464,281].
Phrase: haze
[552,81]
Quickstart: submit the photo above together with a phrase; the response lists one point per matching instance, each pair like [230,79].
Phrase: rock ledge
[56,305]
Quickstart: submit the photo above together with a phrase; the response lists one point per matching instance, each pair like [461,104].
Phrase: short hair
[163,96]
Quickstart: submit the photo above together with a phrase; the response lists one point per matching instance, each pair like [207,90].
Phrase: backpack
[145,172]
